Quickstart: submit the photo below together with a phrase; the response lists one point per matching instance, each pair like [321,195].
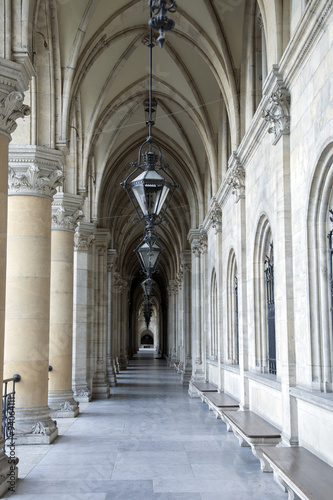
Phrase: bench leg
[292,495]
[280,481]
[241,440]
[264,464]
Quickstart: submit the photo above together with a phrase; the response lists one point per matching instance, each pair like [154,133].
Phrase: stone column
[34,173]
[83,310]
[13,84]
[122,286]
[101,388]
[110,364]
[186,293]
[66,213]
[197,365]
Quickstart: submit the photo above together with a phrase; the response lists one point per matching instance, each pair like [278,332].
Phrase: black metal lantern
[159,20]
[151,191]
[147,286]
[149,252]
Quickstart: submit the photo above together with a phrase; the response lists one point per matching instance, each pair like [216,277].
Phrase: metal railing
[8,409]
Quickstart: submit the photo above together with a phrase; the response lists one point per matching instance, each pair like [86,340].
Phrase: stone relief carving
[216,218]
[83,242]
[12,108]
[82,393]
[66,406]
[237,178]
[278,113]
[40,428]
[62,221]
[34,181]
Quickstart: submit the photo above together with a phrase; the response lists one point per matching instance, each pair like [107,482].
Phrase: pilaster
[66,213]
[110,347]
[101,387]
[186,262]
[83,295]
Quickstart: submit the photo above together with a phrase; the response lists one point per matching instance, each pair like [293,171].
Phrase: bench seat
[197,388]
[218,401]
[300,472]
[252,430]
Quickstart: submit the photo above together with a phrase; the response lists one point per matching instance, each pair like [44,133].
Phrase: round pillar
[34,174]
[66,213]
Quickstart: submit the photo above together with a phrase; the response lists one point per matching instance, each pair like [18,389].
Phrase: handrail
[8,410]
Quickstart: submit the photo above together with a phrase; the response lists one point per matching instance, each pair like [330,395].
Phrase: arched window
[232,307]
[318,370]
[213,317]
[264,303]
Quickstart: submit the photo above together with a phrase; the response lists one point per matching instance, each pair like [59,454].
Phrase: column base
[34,426]
[8,470]
[81,394]
[186,375]
[62,404]
[111,374]
[101,388]
[198,376]
[123,362]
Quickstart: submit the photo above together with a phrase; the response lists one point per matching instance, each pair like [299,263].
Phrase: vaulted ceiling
[100,50]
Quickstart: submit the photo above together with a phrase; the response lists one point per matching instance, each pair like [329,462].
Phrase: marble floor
[149,441]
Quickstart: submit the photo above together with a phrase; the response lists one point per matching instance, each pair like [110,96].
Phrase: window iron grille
[269,272]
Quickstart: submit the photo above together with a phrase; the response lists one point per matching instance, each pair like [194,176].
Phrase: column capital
[66,211]
[236,176]
[14,80]
[112,258]
[34,171]
[199,241]
[84,236]
[186,260]
[277,110]
[102,239]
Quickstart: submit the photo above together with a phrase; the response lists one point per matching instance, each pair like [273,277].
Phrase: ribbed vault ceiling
[104,67]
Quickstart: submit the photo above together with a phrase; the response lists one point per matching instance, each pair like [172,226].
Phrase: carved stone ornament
[278,113]
[66,406]
[40,428]
[237,179]
[83,242]
[12,108]
[66,222]
[216,218]
[34,181]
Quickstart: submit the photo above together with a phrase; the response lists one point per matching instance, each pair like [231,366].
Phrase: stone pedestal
[34,174]
[66,212]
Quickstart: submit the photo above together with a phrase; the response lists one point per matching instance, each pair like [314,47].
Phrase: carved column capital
[34,170]
[84,236]
[112,259]
[186,261]
[277,111]
[12,108]
[102,240]
[199,242]
[66,211]
[14,80]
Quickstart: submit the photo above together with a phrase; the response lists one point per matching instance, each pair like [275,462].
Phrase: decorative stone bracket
[237,178]
[277,111]
[12,108]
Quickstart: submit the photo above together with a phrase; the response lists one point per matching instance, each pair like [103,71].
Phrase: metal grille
[236,321]
[330,254]
[269,271]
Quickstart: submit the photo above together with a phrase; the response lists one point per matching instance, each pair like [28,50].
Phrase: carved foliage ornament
[83,242]
[278,113]
[12,108]
[201,245]
[237,181]
[68,222]
[32,181]
[216,219]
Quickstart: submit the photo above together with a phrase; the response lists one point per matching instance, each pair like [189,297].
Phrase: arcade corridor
[148,441]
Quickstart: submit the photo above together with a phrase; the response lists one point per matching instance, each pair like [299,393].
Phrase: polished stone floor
[149,441]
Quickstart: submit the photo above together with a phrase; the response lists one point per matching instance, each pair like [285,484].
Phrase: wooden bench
[196,389]
[219,401]
[303,475]
[252,430]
